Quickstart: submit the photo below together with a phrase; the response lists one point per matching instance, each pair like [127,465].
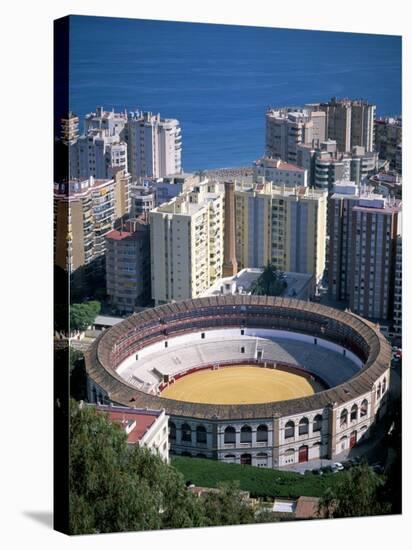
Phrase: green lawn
[260,482]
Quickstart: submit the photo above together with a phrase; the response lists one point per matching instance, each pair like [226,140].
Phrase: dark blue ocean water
[218,80]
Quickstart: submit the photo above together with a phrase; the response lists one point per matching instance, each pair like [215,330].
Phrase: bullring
[346,356]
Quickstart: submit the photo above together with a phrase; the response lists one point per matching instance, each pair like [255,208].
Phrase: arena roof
[168,320]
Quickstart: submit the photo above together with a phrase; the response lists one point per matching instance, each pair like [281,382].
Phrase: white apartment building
[113,123]
[97,154]
[154,145]
[187,243]
[285,129]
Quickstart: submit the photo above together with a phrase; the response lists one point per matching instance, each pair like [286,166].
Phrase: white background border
[26,268]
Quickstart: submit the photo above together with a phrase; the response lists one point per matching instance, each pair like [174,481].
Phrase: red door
[352,440]
[303,453]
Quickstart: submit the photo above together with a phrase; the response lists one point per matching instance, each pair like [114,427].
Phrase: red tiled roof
[143,421]
[306,507]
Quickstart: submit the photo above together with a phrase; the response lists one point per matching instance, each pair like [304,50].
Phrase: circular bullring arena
[248,379]
[240,384]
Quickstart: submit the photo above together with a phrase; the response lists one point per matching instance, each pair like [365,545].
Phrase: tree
[83,315]
[78,376]
[358,494]
[114,488]
[226,506]
[269,283]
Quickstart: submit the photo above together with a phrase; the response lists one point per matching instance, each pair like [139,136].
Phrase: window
[203,335]
[242,350]
[344,417]
[354,413]
[289,429]
[303,426]
[230,458]
[289,456]
[172,431]
[201,434]
[186,432]
[166,344]
[230,435]
[378,393]
[242,331]
[246,434]
[384,386]
[317,423]
[262,433]
[364,408]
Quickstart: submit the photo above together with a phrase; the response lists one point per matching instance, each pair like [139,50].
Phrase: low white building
[298,285]
[280,172]
[144,427]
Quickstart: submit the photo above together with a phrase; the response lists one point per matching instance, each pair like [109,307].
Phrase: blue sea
[218,80]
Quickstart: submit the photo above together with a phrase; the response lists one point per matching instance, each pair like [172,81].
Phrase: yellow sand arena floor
[236,385]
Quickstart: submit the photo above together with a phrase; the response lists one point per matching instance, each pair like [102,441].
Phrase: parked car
[326,469]
[317,472]
[338,466]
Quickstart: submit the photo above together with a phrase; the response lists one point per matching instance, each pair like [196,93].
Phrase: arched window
[378,393]
[186,432]
[384,386]
[172,431]
[246,459]
[289,429]
[200,434]
[354,412]
[262,433]
[364,408]
[344,417]
[290,452]
[317,423]
[261,455]
[230,458]
[343,442]
[230,435]
[246,434]
[303,426]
